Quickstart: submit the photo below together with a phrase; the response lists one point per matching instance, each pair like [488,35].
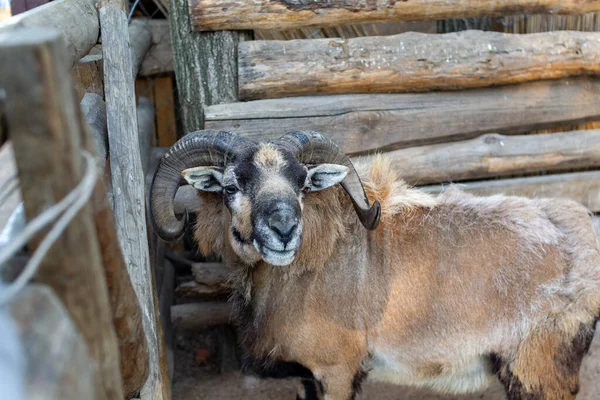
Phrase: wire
[72,203]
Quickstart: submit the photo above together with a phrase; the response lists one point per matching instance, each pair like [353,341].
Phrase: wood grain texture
[159,60]
[145,117]
[88,76]
[94,113]
[76,20]
[44,120]
[210,274]
[128,184]
[286,14]
[583,187]
[58,365]
[166,123]
[194,289]
[8,179]
[205,66]
[126,310]
[370,122]
[412,62]
[494,155]
[140,36]
[200,315]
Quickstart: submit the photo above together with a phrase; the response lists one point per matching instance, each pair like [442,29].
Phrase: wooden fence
[480,97]
[446,108]
[90,325]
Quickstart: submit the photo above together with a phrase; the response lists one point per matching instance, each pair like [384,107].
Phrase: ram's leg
[340,382]
[546,366]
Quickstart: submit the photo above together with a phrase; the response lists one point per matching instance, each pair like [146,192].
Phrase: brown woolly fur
[446,293]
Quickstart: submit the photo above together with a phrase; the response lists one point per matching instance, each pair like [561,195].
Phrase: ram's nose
[284,223]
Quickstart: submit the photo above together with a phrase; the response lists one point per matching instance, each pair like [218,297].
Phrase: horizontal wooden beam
[200,315]
[76,20]
[494,155]
[198,290]
[412,62]
[286,14]
[583,187]
[370,122]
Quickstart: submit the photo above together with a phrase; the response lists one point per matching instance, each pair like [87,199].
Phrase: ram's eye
[230,190]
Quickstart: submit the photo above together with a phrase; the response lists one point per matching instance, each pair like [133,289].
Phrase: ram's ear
[208,179]
[322,176]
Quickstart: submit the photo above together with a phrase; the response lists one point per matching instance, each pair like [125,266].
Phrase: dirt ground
[195,382]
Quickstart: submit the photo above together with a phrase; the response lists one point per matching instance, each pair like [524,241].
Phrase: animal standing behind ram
[445,292]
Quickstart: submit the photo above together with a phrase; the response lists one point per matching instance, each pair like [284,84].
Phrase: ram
[445,292]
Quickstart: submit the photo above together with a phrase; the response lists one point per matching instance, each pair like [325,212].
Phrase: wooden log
[206,80]
[412,62]
[58,364]
[126,311]
[287,14]
[43,117]
[159,60]
[76,20]
[200,315]
[145,118]
[495,155]
[210,274]
[140,36]
[166,120]
[198,290]
[94,113]
[583,187]
[366,123]
[88,74]
[128,184]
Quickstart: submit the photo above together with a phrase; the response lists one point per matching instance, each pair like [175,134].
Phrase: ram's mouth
[279,258]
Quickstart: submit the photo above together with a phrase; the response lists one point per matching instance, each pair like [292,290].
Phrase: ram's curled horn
[201,148]
[314,148]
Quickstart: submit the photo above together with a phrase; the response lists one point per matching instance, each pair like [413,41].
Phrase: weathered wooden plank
[57,362]
[44,120]
[126,311]
[76,20]
[285,14]
[365,123]
[205,66]
[145,117]
[159,60]
[494,155]
[200,315]
[140,36]
[88,74]
[166,124]
[198,290]
[128,183]
[583,187]
[94,113]
[412,62]
[211,274]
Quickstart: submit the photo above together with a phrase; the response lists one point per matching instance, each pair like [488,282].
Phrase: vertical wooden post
[205,65]
[46,136]
[127,314]
[128,184]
